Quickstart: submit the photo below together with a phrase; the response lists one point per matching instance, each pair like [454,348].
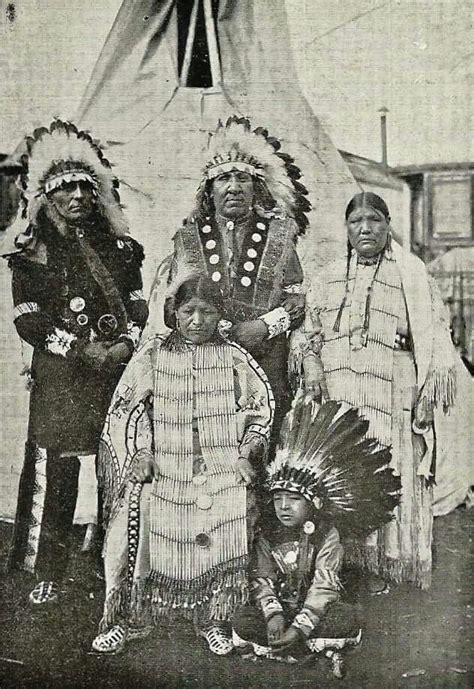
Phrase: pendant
[204,502]
[202,540]
[77,304]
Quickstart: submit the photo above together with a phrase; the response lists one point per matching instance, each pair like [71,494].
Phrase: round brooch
[308,527]
[107,324]
[202,540]
[290,558]
[204,502]
[77,304]
[82,319]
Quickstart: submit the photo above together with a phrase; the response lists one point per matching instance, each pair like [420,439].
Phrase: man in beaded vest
[250,210]
[78,302]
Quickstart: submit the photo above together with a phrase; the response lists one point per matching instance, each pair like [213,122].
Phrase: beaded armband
[271,606]
[277,321]
[25,308]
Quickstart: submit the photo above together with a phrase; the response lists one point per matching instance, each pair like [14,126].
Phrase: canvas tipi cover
[158,126]
[155,125]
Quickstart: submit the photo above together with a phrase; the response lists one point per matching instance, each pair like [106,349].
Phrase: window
[451,206]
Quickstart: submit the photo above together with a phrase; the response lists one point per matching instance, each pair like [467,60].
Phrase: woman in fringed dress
[186,428]
[380,341]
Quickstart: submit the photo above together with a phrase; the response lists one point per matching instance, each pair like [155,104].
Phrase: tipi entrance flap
[200,65]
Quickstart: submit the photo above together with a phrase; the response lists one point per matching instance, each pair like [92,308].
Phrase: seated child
[326,475]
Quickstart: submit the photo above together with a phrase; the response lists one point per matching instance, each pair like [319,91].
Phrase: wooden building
[442,234]
[441,208]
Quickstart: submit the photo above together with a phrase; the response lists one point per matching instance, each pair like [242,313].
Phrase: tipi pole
[212,44]
[188,53]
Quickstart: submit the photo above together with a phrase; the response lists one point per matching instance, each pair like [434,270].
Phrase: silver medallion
[77,304]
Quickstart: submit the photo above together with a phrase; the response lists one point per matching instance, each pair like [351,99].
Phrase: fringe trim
[440,388]
[215,596]
[295,364]
[372,559]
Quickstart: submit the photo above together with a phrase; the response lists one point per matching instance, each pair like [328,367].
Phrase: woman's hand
[287,639]
[314,379]
[275,627]
[250,334]
[144,467]
[244,471]
[423,413]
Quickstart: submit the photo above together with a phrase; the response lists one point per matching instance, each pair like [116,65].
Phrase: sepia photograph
[236,344]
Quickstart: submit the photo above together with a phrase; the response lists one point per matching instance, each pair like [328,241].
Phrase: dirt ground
[411,638]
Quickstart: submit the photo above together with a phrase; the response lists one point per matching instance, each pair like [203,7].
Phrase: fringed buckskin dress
[383,362]
[179,543]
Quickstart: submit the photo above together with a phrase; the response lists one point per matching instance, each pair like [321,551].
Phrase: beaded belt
[403,343]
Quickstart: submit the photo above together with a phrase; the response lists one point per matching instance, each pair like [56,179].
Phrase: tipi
[169,70]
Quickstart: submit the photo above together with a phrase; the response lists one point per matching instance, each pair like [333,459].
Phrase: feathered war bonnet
[235,146]
[63,153]
[325,456]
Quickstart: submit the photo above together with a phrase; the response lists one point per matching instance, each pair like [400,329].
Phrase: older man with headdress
[380,342]
[250,209]
[78,302]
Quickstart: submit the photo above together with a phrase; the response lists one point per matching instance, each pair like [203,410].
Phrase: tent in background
[168,72]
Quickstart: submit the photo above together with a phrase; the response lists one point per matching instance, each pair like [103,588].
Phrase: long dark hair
[196,287]
[368,198]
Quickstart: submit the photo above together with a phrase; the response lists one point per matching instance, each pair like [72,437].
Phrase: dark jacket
[60,295]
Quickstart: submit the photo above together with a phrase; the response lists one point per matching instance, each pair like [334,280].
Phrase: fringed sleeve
[255,404]
[306,341]
[440,386]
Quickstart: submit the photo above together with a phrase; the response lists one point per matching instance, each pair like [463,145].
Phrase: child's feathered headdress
[235,146]
[324,455]
[63,153]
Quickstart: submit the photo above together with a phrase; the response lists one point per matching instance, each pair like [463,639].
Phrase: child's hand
[275,627]
[287,639]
